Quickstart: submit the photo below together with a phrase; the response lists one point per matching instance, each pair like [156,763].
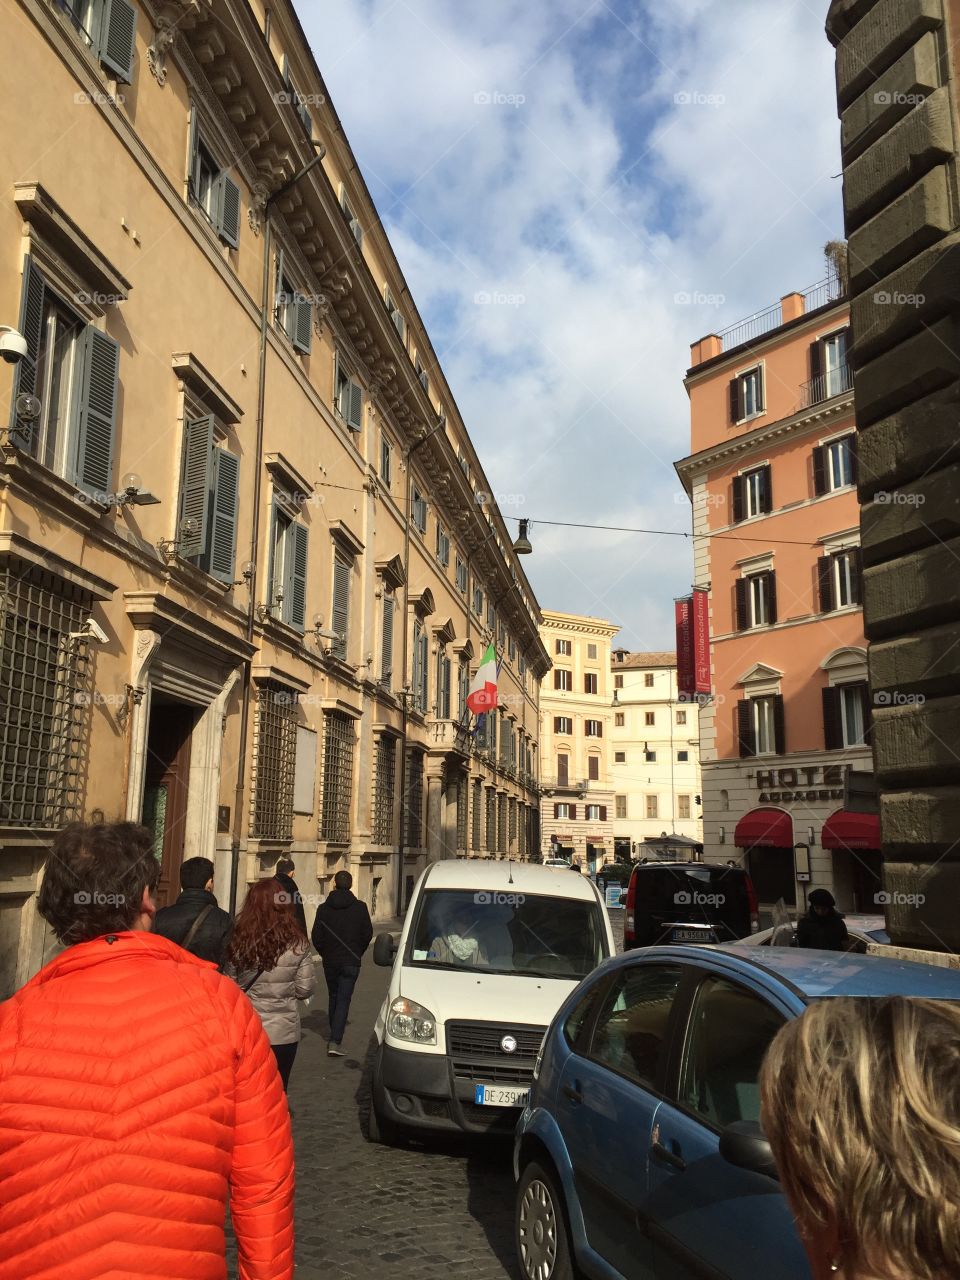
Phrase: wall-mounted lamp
[134,496]
[810,836]
[170,547]
[723,835]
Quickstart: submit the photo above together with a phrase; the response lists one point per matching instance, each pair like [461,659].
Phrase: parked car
[688,902]
[488,953]
[639,1154]
[556,862]
[863,930]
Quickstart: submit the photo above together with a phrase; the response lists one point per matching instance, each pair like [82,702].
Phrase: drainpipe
[255,525]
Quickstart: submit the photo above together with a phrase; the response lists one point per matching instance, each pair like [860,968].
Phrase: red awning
[843,830]
[771,828]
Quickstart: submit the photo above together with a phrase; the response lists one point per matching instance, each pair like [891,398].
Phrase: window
[649,756]
[464,463]
[728,1035]
[653,807]
[760,725]
[491,617]
[274,762]
[563,679]
[846,715]
[421,373]
[287,578]
[73,369]
[512,649]
[593,728]
[593,769]
[630,1036]
[618,720]
[619,757]
[385,780]
[476,820]
[649,717]
[564,811]
[419,511]
[564,648]
[338,740]
[839,578]
[563,724]
[413,800]
[209,494]
[594,812]
[683,757]
[830,373]
[461,576]
[347,396]
[683,806]
[340,610]
[746,395]
[620,806]
[210,189]
[756,600]
[393,312]
[463,687]
[835,464]
[297,99]
[44,697]
[421,676]
[478,601]
[444,669]
[352,220]
[648,679]
[592,652]
[386,460]
[590,682]
[618,682]
[752,494]
[443,545]
[563,770]
[681,717]
[109,30]
[293,311]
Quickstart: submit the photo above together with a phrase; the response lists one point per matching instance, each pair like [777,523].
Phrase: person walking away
[859,1101]
[822,927]
[341,934]
[284,873]
[195,921]
[269,957]
[137,1092]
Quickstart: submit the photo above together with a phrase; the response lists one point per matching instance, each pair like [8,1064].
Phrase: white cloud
[590,205]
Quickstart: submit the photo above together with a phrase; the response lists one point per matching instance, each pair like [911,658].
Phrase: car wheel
[542,1239]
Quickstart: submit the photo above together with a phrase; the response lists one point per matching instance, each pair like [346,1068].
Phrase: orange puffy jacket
[136,1087]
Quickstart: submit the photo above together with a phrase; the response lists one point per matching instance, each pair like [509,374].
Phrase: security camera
[13,345]
[91,630]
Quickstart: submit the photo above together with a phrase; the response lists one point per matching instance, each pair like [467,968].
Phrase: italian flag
[483,691]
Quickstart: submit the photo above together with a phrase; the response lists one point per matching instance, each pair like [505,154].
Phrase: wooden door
[166,788]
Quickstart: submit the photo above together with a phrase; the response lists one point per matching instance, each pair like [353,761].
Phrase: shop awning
[843,830]
[771,828]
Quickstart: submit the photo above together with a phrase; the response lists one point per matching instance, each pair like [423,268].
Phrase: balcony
[564,786]
[826,385]
[449,736]
[761,322]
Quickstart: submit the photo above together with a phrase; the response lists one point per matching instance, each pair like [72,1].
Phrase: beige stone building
[246,576]
[655,753]
[576,720]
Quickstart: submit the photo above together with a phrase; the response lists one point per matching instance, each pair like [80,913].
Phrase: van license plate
[693,935]
[493,1095]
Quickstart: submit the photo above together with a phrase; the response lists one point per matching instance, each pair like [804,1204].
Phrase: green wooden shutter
[336,383]
[302,325]
[96,419]
[424,671]
[295,597]
[31,326]
[278,293]
[229,227]
[118,31]
[272,560]
[354,414]
[386,648]
[226,503]
[195,485]
[416,663]
[341,604]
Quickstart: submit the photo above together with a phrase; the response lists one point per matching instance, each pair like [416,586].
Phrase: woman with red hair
[269,956]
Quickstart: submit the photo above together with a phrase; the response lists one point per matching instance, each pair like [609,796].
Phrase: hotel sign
[811,783]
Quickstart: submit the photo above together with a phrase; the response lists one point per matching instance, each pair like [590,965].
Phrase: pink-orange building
[772,478]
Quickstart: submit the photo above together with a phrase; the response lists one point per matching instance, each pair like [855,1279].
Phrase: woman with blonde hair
[861,1103]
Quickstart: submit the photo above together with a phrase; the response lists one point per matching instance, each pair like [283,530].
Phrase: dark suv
[688,902]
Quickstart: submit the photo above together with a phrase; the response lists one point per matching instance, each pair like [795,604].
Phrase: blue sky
[557,177]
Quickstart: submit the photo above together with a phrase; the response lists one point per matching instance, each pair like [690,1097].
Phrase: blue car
[639,1154]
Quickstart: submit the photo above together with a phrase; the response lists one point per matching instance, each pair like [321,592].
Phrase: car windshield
[494,931]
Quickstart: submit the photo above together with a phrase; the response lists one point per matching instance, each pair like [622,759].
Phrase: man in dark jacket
[195,921]
[822,928]
[341,934]
[284,873]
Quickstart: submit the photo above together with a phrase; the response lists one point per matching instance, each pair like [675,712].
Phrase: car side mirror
[384,950]
[745,1145]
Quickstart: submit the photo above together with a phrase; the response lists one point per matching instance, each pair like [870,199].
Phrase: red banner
[701,642]
[685,672]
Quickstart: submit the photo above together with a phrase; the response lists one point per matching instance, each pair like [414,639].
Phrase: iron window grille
[477,815]
[384,784]
[513,821]
[338,739]
[274,761]
[491,820]
[462,798]
[522,830]
[44,698]
[501,824]
[413,801]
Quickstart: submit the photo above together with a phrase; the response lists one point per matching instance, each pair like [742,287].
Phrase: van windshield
[496,932]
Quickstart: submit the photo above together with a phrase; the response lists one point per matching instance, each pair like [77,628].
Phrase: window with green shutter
[210,187]
[292,310]
[287,575]
[340,616]
[386,643]
[209,500]
[347,396]
[109,28]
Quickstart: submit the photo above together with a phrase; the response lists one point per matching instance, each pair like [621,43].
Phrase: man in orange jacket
[137,1088]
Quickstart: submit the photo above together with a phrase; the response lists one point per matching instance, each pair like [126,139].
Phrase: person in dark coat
[341,934]
[284,873]
[195,921]
[822,928]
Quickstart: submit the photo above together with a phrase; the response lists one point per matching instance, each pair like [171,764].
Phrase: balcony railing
[450,735]
[555,784]
[826,385]
[761,322]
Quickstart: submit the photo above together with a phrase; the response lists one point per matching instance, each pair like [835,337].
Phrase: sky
[575,192]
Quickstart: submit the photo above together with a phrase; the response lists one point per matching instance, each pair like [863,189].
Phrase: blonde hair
[860,1101]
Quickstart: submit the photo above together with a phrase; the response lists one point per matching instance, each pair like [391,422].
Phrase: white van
[488,953]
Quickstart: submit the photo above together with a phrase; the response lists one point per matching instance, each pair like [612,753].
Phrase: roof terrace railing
[761,322]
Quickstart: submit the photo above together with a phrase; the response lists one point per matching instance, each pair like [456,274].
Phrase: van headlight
[408,1020]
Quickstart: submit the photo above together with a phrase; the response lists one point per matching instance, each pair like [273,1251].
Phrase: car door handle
[668,1157]
[573,1092]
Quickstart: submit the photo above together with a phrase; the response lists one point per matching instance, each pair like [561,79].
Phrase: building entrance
[772,873]
[166,786]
